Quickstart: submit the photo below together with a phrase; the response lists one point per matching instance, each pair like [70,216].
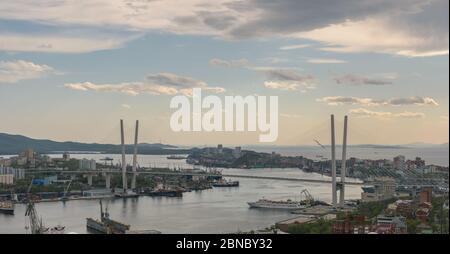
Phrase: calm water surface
[218,210]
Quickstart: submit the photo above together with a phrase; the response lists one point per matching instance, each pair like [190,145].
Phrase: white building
[18,173]
[86,164]
[382,188]
[7,179]
[399,162]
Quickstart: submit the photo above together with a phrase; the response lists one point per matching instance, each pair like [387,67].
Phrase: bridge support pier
[108,181]
[89,178]
[133,182]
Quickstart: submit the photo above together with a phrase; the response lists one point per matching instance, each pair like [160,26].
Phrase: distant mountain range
[425,145]
[14,144]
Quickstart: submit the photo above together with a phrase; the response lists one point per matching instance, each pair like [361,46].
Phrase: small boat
[225,183]
[176,157]
[126,194]
[7,207]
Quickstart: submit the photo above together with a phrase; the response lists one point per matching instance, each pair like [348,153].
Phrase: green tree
[321,226]
[412,225]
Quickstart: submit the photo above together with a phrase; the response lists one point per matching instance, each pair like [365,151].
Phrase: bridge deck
[87,172]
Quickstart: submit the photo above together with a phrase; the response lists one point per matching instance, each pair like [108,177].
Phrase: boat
[55,230]
[143,232]
[272,204]
[162,193]
[126,194]
[106,225]
[176,157]
[36,224]
[7,207]
[225,183]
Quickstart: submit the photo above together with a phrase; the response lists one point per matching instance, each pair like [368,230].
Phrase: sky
[69,70]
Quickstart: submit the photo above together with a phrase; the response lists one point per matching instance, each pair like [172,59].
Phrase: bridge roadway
[152,172]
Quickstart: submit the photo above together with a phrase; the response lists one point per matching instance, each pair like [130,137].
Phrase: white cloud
[413,28]
[287,86]
[14,71]
[229,63]
[377,36]
[60,43]
[297,46]
[156,84]
[413,100]
[352,79]
[340,100]
[410,115]
[325,61]
[416,100]
[285,79]
[362,112]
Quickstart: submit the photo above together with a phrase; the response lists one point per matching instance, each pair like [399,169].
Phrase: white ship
[271,204]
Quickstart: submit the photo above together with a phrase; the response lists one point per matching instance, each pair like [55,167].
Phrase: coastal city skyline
[226,124]
[390,76]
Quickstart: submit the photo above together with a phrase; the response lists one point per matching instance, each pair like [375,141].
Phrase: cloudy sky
[69,70]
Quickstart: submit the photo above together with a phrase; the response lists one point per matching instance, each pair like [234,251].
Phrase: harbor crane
[35,223]
[309,200]
[29,187]
[317,142]
[66,190]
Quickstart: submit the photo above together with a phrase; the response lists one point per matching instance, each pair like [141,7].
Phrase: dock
[318,210]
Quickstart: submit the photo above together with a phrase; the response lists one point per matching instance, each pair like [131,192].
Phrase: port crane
[318,143]
[35,223]
[66,190]
[29,187]
[309,200]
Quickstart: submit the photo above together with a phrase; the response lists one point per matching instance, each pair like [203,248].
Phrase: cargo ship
[106,225]
[7,207]
[272,204]
[225,183]
[162,193]
[176,157]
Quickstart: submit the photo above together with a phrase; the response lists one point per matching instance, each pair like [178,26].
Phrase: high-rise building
[18,173]
[382,188]
[29,154]
[399,162]
[7,179]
